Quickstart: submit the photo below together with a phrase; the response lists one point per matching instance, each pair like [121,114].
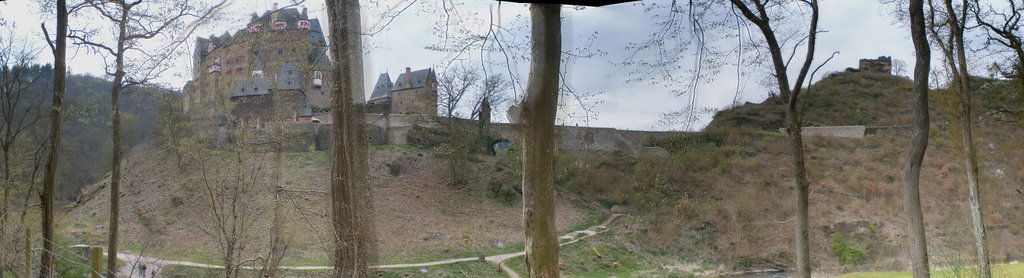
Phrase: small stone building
[883,64]
[413,92]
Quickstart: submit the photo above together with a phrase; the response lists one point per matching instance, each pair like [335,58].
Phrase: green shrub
[504,192]
[394,169]
[846,253]
[745,263]
[609,203]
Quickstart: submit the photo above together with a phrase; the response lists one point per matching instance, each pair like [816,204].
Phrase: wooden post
[28,252]
[95,261]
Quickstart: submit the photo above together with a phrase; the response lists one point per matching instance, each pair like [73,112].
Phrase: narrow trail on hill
[133,267]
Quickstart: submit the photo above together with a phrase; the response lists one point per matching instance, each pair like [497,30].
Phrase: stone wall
[850,131]
[588,138]
[395,129]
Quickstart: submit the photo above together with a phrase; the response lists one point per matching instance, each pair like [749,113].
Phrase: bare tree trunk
[971,161]
[349,186]
[538,120]
[275,233]
[59,49]
[229,258]
[918,144]
[956,58]
[977,216]
[803,250]
[760,17]
[115,162]
[3,214]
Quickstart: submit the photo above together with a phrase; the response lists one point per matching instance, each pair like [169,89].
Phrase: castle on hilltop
[883,64]
[272,77]
[275,69]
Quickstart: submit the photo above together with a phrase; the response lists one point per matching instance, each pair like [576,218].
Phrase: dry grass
[418,215]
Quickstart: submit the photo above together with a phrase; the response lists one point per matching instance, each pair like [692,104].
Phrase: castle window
[304,24]
[280,51]
[280,25]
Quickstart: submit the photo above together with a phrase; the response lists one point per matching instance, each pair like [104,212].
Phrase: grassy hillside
[723,195]
[842,98]
[720,201]
[419,216]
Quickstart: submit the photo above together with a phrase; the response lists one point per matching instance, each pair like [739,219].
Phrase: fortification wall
[395,129]
[849,131]
[587,138]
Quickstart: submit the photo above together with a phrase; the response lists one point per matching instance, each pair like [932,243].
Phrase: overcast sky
[856,28]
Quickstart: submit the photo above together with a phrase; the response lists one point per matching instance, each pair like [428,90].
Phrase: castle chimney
[273,16]
[408,77]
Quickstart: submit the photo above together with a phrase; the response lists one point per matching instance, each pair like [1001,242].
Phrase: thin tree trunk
[3,214]
[115,162]
[801,185]
[50,178]
[977,216]
[349,187]
[275,233]
[538,119]
[229,258]
[803,250]
[957,25]
[971,162]
[918,144]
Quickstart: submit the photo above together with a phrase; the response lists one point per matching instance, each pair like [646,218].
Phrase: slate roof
[419,79]
[290,77]
[256,86]
[315,33]
[383,87]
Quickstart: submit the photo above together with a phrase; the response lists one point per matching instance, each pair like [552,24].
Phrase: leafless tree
[947,27]
[350,192]
[453,86]
[133,22]
[757,12]
[693,43]
[228,180]
[21,108]
[494,91]
[899,67]
[58,46]
[918,141]
[1001,25]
